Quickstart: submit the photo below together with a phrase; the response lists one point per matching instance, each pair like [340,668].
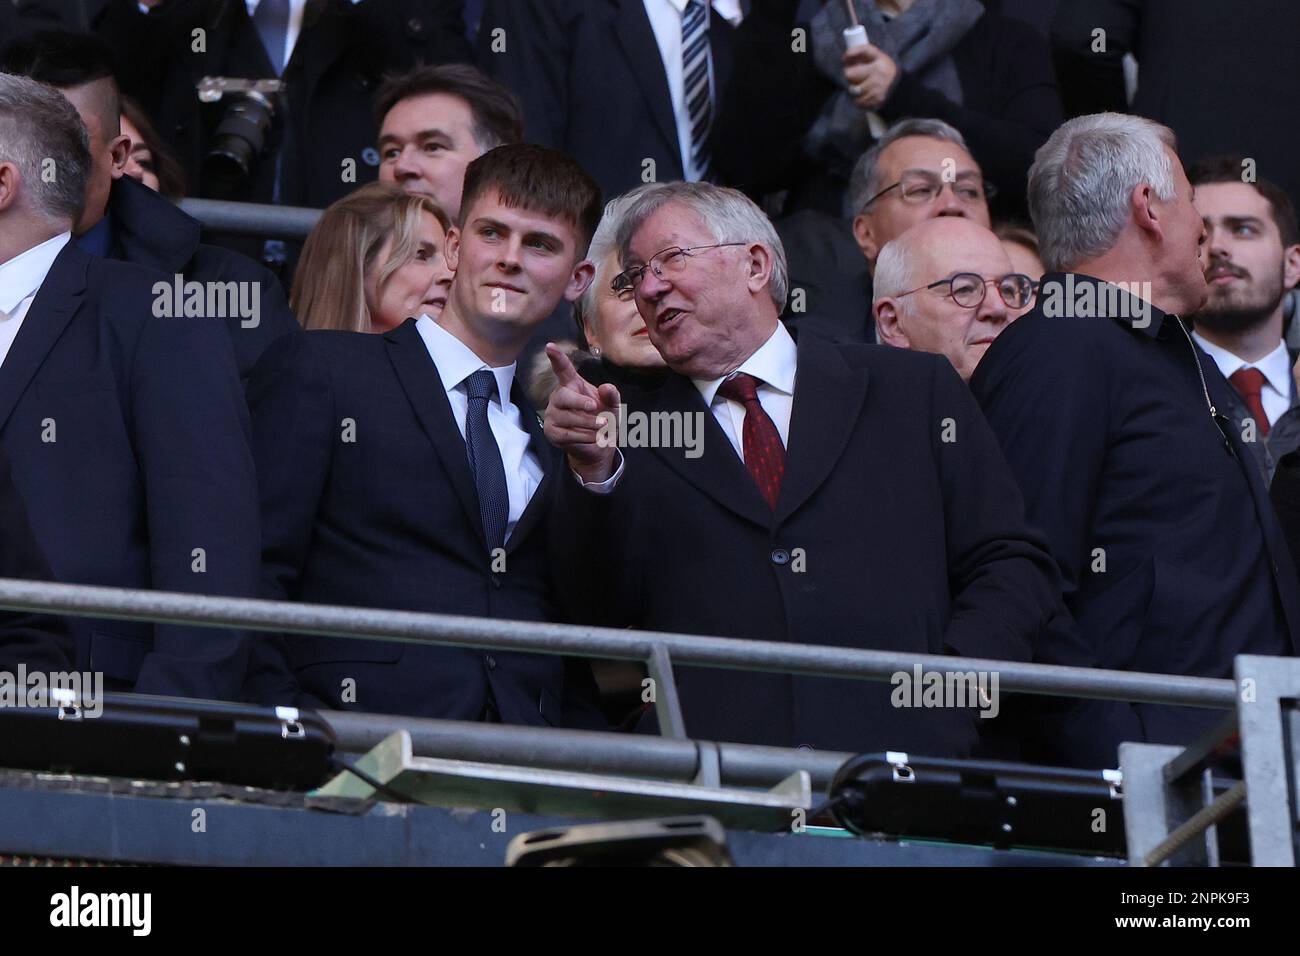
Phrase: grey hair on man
[1082,181]
[864,181]
[894,274]
[729,215]
[42,135]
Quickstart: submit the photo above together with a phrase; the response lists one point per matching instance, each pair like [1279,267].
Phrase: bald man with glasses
[947,286]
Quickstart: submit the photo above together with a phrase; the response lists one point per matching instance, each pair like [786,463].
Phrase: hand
[869,71]
[575,416]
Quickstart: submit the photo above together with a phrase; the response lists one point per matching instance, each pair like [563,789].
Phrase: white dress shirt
[774,366]
[1275,395]
[20,279]
[666,21]
[455,363]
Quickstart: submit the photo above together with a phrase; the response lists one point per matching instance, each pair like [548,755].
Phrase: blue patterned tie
[272,21]
[485,459]
[695,80]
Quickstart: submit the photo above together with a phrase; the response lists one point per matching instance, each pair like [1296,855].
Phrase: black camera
[241,136]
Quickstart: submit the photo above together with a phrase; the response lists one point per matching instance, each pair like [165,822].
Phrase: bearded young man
[1251,259]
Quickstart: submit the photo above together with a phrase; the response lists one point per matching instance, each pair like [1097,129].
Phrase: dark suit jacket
[38,641]
[391,520]
[885,536]
[1218,74]
[1171,558]
[149,230]
[341,55]
[128,439]
[830,284]
[592,83]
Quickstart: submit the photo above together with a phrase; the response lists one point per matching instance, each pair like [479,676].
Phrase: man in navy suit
[848,495]
[127,432]
[409,471]
[123,219]
[1171,557]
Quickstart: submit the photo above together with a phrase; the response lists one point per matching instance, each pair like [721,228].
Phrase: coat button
[415,25]
[780,556]
[370,156]
[490,661]
[496,580]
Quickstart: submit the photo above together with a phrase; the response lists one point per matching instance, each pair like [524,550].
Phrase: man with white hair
[947,286]
[1171,558]
[841,494]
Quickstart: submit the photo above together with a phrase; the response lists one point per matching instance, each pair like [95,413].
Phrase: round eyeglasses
[968,289]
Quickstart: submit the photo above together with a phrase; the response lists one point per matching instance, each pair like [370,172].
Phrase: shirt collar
[23,274]
[456,362]
[729,10]
[773,363]
[1275,366]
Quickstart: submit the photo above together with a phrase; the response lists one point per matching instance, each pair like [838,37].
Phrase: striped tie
[695,73]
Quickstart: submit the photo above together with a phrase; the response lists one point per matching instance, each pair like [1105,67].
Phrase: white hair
[603,242]
[729,214]
[894,274]
[1082,180]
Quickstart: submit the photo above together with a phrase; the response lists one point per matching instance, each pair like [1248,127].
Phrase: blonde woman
[375,258]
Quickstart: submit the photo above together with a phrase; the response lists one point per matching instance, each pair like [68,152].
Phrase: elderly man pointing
[842,495]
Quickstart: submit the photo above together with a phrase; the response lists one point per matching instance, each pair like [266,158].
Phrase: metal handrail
[585,641]
[252,219]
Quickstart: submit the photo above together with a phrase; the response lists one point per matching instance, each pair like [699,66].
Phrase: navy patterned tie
[695,79]
[272,21]
[485,459]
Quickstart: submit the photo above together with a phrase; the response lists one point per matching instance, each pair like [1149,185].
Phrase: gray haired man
[1170,555]
[920,169]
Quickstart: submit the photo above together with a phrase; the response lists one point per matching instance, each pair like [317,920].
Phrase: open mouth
[438,303]
[668,319]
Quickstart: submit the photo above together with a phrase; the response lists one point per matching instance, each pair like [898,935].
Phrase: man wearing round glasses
[947,286]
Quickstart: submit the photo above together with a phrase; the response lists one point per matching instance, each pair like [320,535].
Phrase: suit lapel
[637,39]
[423,386]
[718,472]
[552,465]
[329,37]
[56,302]
[828,399]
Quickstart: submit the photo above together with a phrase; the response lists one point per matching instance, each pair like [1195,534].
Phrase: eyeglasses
[671,261]
[920,189]
[968,289]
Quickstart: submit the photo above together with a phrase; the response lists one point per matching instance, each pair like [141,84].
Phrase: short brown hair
[1020,235]
[329,285]
[498,117]
[1229,169]
[540,180]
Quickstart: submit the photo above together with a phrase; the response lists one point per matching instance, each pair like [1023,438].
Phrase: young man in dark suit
[841,494]
[127,431]
[408,470]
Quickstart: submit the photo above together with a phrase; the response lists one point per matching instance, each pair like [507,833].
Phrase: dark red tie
[1249,382]
[764,453]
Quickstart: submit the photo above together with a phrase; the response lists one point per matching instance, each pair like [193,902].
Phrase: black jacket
[128,439]
[1219,74]
[390,519]
[40,642]
[886,536]
[150,231]
[1171,558]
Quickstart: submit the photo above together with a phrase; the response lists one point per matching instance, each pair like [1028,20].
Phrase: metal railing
[252,219]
